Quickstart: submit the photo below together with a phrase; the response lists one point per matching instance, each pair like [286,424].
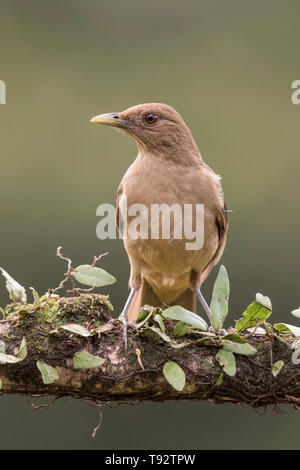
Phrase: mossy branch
[135,374]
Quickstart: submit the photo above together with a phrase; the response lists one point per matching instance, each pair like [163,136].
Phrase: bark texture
[135,374]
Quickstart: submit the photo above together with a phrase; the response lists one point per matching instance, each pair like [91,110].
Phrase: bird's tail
[145,295]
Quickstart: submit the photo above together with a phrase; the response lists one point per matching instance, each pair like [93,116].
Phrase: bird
[168,170]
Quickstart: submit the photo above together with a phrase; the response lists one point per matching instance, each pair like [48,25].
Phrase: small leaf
[9,359]
[235,338]
[2,312]
[181,329]
[245,349]
[138,325]
[92,276]
[219,300]
[257,330]
[226,359]
[203,333]
[160,322]
[2,348]
[264,300]
[296,344]
[176,345]
[22,353]
[160,333]
[36,298]
[103,328]
[181,314]
[16,292]
[296,312]
[85,360]
[285,328]
[277,368]
[49,373]
[255,313]
[142,315]
[220,379]
[296,356]
[0,384]
[76,329]
[174,375]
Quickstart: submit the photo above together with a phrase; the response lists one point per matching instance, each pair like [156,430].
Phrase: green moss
[89,310]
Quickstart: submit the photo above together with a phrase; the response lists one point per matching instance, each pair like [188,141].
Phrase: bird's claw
[221,332]
[124,320]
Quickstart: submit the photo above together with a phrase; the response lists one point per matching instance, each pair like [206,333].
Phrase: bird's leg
[204,304]
[207,310]
[123,317]
[195,283]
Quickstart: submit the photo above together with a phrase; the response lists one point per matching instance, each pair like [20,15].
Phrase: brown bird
[168,170]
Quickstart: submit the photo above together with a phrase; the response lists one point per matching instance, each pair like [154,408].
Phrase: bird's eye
[151,118]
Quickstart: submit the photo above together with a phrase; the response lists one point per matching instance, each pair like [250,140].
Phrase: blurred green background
[227,67]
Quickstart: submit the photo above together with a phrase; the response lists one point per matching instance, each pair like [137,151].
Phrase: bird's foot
[221,332]
[124,320]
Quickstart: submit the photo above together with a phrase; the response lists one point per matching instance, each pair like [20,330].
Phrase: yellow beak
[110,119]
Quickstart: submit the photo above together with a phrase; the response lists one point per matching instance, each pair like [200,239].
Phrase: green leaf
[2,312]
[9,359]
[160,322]
[255,313]
[22,353]
[138,325]
[245,349]
[85,360]
[49,373]
[36,298]
[285,328]
[264,300]
[296,312]
[174,375]
[160,333]
[277,368]
[92,276]
[76,329]
[181,314]
[181,329]
[235,338]
[142,315]
[219,300]
[220,379]
[226,359]
[0,384]
[16,292]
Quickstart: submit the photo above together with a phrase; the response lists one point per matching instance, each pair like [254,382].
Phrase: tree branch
[135,374]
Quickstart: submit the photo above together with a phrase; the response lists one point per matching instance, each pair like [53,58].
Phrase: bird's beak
[110,119]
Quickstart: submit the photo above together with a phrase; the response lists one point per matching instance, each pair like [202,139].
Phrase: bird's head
[156,128]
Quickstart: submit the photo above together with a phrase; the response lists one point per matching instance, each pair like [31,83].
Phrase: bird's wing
[222,227]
